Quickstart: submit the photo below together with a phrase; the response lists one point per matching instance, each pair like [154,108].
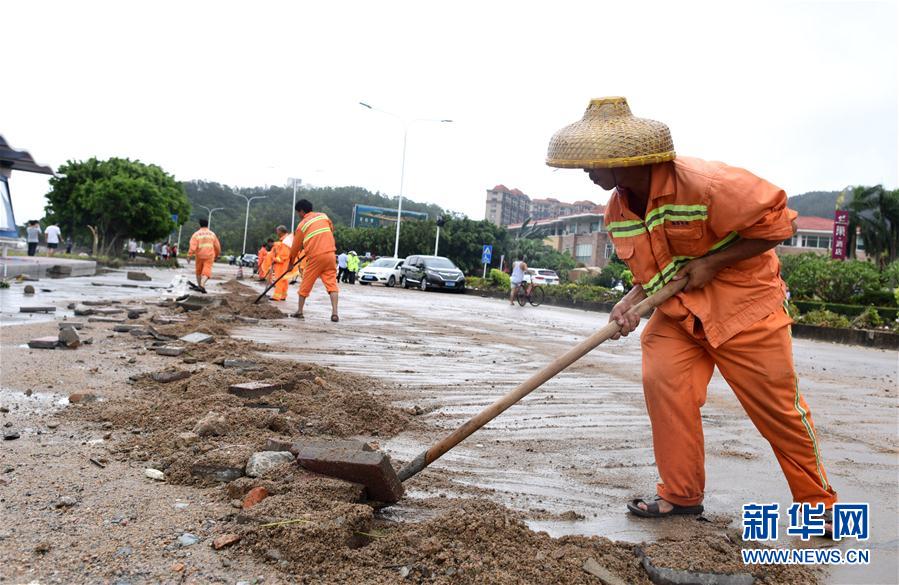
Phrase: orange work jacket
[204,245]
[695,208]
[314,235]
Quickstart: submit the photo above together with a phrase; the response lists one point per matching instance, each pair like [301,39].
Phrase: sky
[803,94]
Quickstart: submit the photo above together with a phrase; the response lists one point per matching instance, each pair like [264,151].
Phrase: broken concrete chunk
[125,328]
[170,350]
[369,468]
[249,320]
[240,363]
[45,309]
[139,332]
[295,447]
[100,303]
[264,461]
[69,338]
[44,343]
[71,325]
[224,464]
[157,335]
[167,376]
[105,320]
[254,389]
[163,320]
[197,337]
[29,290]
[82,311]
[605,576]
[107,311]
[135,275]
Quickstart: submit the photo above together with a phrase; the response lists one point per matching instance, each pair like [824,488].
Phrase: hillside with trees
[816,203]
[275,208]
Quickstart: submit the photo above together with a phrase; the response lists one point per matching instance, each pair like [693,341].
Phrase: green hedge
[887,313]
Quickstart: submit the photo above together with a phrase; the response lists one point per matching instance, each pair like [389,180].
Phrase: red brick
[254,496]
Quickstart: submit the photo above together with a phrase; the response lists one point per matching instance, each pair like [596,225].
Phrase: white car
[542,276]
[383,270]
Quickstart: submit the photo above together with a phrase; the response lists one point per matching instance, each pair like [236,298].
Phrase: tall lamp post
[209,215]
[246,221]
[293,213]
[406,124]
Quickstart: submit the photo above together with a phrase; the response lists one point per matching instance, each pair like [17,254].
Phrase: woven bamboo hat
[610,136]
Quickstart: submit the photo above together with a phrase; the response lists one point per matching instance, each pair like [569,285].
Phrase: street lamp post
[209,216]
[293,213]
[406,124]
[246,221]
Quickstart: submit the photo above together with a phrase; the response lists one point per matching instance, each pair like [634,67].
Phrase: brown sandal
[335,318]
[652,508]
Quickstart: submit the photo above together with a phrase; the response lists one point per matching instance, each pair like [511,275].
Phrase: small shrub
[869,319]
[825,318]
[793,311]
[4,284]
[500,278]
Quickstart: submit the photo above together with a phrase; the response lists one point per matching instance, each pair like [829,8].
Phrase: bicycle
[535,296]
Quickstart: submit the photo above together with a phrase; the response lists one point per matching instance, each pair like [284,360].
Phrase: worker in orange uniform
[671,218]
[294,273]
[315,238]
[263,252]
[277,263]
[205,246]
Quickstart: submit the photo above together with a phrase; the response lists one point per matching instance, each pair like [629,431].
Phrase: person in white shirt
[53,234]
[519,271]
[132,249]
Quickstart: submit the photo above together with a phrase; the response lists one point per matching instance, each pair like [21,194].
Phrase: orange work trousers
[280,293]
[323,266]
[757,363]
[204,267]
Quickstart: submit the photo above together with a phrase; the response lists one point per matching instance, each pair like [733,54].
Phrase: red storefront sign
[839,250]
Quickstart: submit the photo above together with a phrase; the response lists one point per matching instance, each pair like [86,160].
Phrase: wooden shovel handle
[549,371]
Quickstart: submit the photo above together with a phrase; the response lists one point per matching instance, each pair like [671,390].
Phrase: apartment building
[510,206]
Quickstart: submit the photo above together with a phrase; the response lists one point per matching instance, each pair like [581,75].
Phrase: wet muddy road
[582,442]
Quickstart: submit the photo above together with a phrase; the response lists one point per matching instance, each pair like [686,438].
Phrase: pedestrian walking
[33,236]
[132,249]
[53,234]
[341,267]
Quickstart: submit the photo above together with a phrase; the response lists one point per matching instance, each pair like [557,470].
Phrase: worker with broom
[314,237]
[204,244]
[674,218]
[277,263]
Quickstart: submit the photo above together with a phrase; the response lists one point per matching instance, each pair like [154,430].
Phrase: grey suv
[427,272]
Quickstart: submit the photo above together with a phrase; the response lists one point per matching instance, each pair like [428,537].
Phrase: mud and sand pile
[321,530]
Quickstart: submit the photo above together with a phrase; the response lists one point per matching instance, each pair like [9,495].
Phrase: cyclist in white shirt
[519,270]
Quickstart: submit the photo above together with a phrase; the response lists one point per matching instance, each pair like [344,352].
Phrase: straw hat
[610,136]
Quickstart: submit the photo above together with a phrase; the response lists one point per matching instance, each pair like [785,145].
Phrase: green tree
[874,213]
[115,199]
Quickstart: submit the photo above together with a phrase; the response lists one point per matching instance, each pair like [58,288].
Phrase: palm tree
[874,215]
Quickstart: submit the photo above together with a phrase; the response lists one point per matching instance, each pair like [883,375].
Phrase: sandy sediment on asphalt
[310,528]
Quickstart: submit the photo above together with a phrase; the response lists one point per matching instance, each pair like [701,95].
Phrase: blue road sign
[487,255]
